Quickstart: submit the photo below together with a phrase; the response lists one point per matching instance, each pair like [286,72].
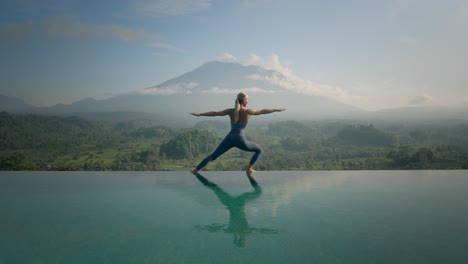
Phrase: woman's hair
[239,100]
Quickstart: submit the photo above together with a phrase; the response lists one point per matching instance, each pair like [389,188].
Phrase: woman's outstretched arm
[264,111]
[213,113]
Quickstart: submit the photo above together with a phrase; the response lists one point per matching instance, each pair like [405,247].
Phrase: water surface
[220,217]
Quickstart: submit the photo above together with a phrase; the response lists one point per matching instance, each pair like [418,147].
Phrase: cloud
[421,100]
[14,31]
[178,88]
[165,8]
[188,88]
[218,90]
[226,57]
[64,27]
[256,77]
[285,78]
[164,45]
[275,74]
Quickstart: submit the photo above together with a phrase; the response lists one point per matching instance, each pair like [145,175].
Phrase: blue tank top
[238,126]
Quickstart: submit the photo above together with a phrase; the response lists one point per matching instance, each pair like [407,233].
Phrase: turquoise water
[219,217]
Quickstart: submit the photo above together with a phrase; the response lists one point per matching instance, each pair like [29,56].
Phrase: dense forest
[39,142]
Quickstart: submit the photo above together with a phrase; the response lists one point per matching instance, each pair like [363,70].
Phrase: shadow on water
[238,224]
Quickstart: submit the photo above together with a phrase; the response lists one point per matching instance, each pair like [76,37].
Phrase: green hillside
[40,142]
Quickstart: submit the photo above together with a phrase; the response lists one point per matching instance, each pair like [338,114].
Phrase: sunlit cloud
[226,57]
[252,59]
[179,88]
[218,90]
[284,77]
[165,8]
[256,77]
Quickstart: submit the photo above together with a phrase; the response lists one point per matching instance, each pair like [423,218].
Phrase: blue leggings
[235,138]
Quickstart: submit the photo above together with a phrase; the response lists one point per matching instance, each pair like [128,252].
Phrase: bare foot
[250,171]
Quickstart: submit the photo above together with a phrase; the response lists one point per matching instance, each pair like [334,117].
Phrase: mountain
[214,86]
[220,77]
[13,104]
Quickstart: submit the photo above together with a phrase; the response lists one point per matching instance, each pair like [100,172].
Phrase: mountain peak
[87,100]
[221,77]
[220,63]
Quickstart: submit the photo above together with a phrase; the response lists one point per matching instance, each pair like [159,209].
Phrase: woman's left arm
[264,111]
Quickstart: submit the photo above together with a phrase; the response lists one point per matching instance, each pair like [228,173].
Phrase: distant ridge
[424,112]
[13,104]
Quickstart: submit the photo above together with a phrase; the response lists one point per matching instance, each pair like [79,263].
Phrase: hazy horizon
[371,55]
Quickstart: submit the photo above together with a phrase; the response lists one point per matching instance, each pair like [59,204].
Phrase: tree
[401,157]
[15,161]
[364,135]
[419,135]
[423,155]
[189,144]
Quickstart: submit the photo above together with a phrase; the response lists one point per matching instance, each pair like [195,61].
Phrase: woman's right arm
[214,113]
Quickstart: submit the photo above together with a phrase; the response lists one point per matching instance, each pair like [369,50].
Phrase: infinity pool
[222,217]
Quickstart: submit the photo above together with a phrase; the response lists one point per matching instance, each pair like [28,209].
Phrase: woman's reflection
[238,224]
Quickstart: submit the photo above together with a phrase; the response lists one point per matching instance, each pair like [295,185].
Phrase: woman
[239,116]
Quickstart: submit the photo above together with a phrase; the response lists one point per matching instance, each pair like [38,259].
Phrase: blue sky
[370,54]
